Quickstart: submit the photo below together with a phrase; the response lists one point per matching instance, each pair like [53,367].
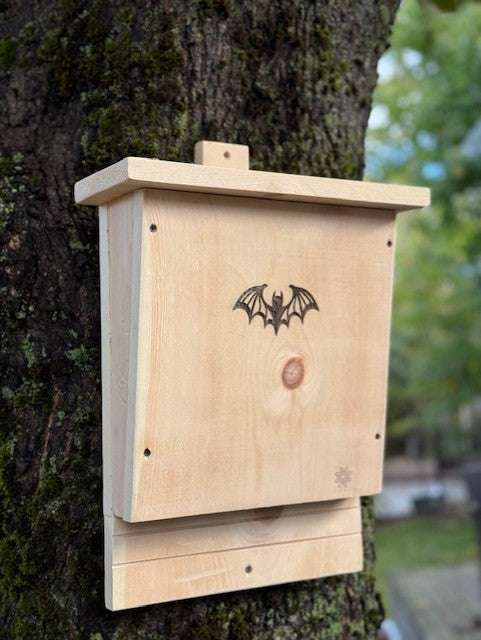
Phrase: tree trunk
[84,83]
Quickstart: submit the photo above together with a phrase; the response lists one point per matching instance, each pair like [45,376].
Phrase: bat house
[245,343]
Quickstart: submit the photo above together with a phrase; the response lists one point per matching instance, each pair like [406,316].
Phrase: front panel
[227,414]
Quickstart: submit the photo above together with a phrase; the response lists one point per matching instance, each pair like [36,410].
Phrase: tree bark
[84,83]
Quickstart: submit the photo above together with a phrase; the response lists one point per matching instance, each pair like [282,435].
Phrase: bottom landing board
[161,561]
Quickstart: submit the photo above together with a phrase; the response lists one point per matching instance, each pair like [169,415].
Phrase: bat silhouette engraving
[277,313]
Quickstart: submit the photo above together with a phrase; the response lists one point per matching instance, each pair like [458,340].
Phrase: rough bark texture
[82,84]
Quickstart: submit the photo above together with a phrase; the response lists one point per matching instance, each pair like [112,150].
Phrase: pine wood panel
[220,154]
[133,173]
[243,529]
[139,583]
[119,227]
[104,260]
[223,431]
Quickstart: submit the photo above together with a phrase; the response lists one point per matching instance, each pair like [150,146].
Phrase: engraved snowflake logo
[343,477]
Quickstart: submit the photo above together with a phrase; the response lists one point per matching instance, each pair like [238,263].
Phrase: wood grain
[234,457]
[119,266]
[223,431]
[220,154]
[241,529]
[131,174]
[107,462]
[139,583]
[189,557]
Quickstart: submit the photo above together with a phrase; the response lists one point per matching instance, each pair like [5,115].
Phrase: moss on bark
[84,84]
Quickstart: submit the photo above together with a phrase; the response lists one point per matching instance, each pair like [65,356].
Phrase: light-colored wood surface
[232,530]
[133,173]
[220,154]
[189,557]
[223,431]
[119,226]
[104,260]
[137,584]
[234,417]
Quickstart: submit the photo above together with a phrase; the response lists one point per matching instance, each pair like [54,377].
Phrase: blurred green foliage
[426,130]
[422,542]
[425,542]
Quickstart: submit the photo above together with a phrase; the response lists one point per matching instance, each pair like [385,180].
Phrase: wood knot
[293,373]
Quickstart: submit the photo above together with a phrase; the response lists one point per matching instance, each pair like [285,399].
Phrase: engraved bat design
[277,313]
